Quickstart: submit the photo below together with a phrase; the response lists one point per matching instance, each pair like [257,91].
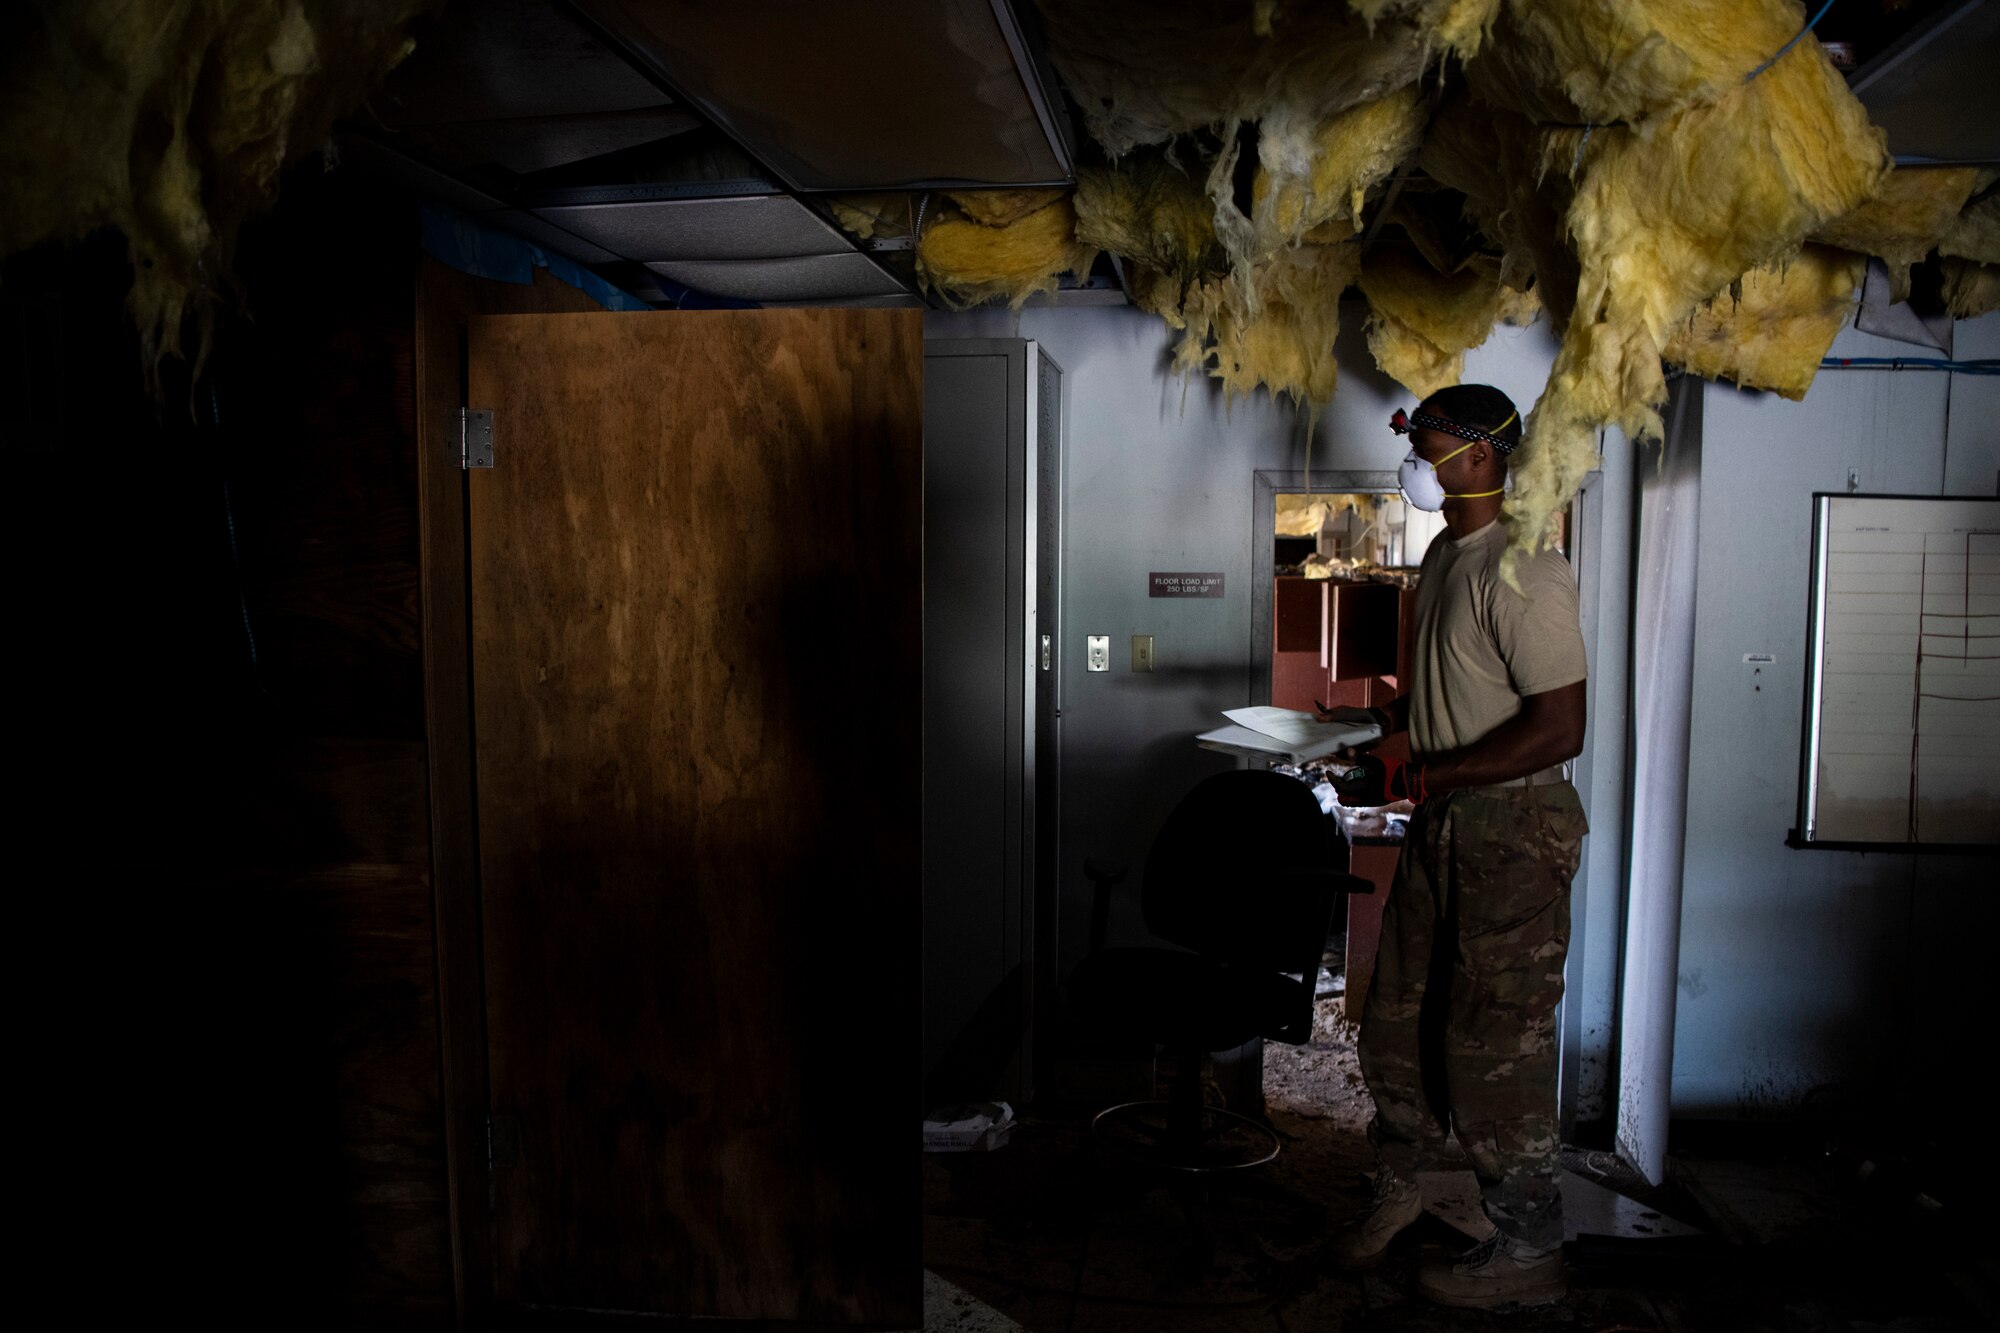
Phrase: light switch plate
[1097,654]
[1142,652]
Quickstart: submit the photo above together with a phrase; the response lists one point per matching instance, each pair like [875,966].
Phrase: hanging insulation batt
[1149,71]
[171,121]
[1458,26]
[1284,345]
[1976,234]
[1150,212]
[1905,219]
[1971,258]
[1598,62]
[1322,178]
[1495,158]
[1668,213]
[1421,322]
[1970,290]
[1331,108]
[1773,330]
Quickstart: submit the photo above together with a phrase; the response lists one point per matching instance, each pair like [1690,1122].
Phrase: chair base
[1149,1132]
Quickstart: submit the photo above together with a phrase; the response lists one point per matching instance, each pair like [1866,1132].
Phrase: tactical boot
[1394,1205]
[1497,1271]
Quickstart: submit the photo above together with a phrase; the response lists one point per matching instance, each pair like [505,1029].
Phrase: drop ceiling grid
[772,226]
[804,278]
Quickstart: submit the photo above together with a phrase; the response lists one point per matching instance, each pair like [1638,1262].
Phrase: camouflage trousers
[1458,1028]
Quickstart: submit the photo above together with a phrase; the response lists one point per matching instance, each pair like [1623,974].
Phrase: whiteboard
[1902,714]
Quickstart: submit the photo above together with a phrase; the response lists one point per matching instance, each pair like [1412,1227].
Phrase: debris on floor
[1055,1237]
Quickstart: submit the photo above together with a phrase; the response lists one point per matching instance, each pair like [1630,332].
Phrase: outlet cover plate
[1097,652]
[1142,652]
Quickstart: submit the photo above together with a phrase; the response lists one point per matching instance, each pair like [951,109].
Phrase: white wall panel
[1798,968]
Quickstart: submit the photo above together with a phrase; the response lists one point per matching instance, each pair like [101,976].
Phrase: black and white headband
[1403,423]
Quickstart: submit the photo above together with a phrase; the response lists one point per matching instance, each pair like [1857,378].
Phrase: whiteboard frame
[1801,836]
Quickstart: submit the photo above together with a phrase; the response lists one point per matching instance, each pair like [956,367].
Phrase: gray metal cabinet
[992,592]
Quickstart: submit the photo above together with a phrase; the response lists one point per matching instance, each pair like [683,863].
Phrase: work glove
[1375,781]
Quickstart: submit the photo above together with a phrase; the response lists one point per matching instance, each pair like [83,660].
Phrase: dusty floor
[1057,1238]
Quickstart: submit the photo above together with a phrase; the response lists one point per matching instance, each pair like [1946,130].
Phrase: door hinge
[475,437]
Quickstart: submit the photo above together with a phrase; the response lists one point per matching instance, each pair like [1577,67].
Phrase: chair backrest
[1223,877]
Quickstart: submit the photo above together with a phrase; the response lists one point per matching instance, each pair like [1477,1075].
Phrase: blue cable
[1576,162]
[1983,366]
[1797,37]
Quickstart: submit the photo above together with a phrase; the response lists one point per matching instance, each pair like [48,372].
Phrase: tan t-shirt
[1479,645]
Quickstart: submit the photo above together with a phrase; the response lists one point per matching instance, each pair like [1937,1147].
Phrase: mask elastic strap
[1453,454]
[1464,495]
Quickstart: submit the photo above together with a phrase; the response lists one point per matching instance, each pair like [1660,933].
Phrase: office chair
[1243,877]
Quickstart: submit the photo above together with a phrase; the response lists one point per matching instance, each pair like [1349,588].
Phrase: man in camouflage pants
[1458,1028]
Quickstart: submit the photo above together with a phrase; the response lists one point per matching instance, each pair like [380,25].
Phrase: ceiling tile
[756,227]
[506,58]
[893,94]
[539,143]
[813,278]
[427,182]
[550,237]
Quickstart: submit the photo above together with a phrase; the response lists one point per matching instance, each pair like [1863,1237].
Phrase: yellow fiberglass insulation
[1154,214]
[1282,342]
[1149,211]
[1001,208]
[1458,26]
[967,262]
[1146,71]
[1327,98]
[1628,159]
[1970,289]
[1603,61]
[1771,331]
[1905,219]
[1665,216]
[1495,158]
[1976,234]
[868,216]
[1422,321]
[1325,176]
[171,122]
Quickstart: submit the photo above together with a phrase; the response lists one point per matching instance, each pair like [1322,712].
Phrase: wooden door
[697,647]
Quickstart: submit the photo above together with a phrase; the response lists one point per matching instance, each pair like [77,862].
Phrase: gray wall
[1160,478]
[1843,972]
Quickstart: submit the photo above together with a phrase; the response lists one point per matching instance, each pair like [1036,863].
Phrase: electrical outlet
[1097,652]
[1142,652]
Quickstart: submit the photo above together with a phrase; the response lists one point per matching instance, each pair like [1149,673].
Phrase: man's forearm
[1510,751]
[1394,715]
[1546,732]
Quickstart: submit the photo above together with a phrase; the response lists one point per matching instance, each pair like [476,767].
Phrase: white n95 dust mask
[1420,484]
[1418,479]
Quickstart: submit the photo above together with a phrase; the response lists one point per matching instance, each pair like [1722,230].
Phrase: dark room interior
[1347,641]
